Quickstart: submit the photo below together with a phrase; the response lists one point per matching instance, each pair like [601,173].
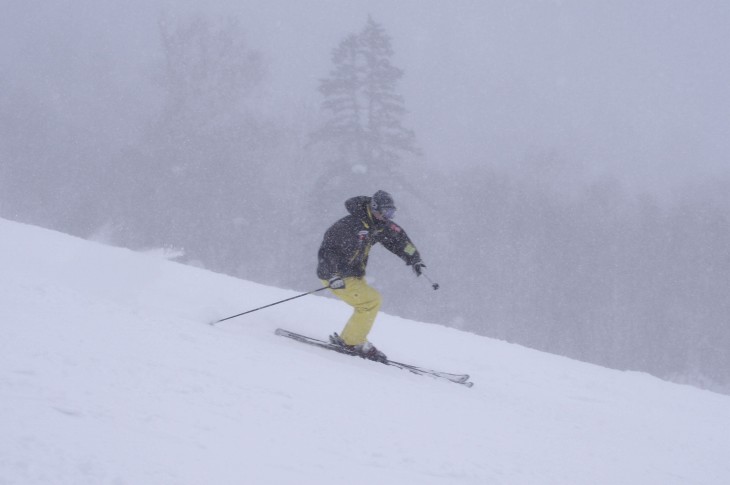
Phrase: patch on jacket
[362,235]
[395,227]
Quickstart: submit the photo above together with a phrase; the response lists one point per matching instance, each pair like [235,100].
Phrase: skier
[343,257]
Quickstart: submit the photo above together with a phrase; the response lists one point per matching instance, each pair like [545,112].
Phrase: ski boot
[365,350]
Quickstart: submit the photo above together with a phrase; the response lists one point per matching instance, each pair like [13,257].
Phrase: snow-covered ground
[110,375]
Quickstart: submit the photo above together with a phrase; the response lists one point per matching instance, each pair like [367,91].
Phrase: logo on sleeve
[395,227]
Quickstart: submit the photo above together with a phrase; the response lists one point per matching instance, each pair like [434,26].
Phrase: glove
[337,283]
[418,267]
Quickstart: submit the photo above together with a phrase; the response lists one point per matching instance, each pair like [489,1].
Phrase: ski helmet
[382,203]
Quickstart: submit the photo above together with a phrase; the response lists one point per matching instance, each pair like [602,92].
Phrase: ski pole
[435,286]
[270,304]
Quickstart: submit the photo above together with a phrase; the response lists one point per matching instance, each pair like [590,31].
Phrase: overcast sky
[640,90]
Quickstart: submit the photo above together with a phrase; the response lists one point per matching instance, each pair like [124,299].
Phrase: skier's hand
[418,267]
[337,283]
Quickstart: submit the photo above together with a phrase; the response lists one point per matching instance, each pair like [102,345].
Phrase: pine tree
[364,111]
[344,127]
[386,136]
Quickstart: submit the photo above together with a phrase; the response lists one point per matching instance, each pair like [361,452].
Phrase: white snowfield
[110,375]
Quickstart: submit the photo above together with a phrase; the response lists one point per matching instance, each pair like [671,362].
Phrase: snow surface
[110,375]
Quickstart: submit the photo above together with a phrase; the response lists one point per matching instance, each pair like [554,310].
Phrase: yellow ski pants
[366,302]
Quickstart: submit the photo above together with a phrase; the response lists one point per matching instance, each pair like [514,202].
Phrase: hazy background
[572,192]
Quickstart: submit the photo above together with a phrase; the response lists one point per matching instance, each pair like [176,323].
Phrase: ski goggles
[387,212]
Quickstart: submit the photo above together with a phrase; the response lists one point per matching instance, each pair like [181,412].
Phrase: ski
[462,379]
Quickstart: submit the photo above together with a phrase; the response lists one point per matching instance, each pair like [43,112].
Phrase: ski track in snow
[110,375]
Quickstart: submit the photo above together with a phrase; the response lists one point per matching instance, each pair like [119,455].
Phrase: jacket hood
[358,206]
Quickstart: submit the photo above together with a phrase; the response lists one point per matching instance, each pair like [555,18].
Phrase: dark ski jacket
[346,245]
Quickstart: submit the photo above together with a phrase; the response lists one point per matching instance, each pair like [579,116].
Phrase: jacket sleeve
[395,240]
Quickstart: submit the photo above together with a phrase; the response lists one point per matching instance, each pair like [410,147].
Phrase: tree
[207,69]
[194,180]
[364,112]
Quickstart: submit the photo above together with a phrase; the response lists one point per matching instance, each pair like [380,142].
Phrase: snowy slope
[109,375]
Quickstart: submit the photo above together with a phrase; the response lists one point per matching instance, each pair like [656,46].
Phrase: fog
[569,190]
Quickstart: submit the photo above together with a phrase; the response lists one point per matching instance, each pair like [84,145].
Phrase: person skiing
[343,257]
